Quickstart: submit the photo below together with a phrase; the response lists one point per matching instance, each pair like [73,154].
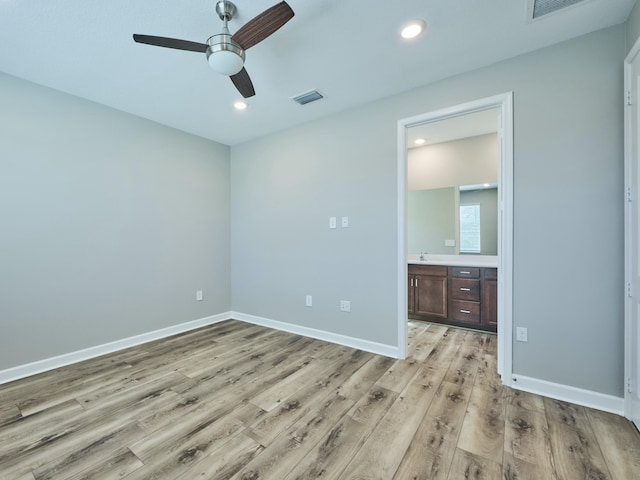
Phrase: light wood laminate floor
[237,401]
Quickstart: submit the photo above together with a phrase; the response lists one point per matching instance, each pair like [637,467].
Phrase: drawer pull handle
[465,289]
[463,272]
[465,311]
[412,282]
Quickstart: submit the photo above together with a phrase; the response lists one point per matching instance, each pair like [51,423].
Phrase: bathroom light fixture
[413,29]
[419,141]
[240,105]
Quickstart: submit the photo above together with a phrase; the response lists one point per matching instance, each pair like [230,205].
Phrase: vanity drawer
[464,311]
[464,272]
[433,270]
[464,289]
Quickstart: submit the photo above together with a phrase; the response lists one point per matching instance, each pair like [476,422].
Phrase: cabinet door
[490,303]
[430,295]
[411,290]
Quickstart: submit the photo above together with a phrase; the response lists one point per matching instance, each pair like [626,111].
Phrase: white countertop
[487,261]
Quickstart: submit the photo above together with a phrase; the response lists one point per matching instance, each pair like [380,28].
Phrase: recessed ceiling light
[413,29]
[240,105]
[419,141]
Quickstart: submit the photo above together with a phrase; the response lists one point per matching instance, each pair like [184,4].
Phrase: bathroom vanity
[458,290]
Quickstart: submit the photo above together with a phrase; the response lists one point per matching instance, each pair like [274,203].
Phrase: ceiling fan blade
[243,83]
[263,25]
[171,43]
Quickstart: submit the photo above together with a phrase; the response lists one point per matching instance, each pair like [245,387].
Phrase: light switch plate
[449,243]
[345,222]
[332,222]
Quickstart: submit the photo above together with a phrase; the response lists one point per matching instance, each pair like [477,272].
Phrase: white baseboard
[366,345]
[22,371]
[579,396]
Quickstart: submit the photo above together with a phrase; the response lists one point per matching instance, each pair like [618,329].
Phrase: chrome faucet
[423,256]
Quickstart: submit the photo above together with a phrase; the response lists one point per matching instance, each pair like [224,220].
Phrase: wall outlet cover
[521,334]
[345,306]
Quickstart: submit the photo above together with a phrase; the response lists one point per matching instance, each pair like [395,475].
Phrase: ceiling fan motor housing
[224,55]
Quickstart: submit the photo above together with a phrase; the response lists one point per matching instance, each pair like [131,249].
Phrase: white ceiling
[348,49]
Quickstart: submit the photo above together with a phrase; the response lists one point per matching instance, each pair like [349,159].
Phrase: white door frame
[504,104]
[631,246]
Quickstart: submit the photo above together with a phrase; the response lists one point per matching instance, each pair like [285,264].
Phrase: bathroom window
[470,228]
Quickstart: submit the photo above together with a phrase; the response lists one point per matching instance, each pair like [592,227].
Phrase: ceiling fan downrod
[223,54]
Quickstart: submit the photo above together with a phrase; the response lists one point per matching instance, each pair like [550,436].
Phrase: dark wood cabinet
[490,297]
[465,296]
[428,290]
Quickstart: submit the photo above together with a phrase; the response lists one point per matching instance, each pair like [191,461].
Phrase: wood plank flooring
[237,401]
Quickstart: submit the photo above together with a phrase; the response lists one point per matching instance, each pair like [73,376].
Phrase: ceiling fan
[225,52]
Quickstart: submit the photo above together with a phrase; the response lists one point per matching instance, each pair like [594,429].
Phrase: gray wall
[109,224]
[568,231]
[633,26]
[284,189]
[465,161]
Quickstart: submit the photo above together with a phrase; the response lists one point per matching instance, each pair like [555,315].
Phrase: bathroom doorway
[482,119]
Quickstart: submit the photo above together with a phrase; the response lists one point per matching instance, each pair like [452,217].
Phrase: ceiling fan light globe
[224,55]
[225,62]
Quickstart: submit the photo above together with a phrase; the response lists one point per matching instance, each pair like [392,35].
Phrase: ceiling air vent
[307,97]
[540,8]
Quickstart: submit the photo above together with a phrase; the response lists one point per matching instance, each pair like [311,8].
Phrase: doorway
[503,104]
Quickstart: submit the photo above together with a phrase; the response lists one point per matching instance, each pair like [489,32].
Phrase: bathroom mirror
[435,217]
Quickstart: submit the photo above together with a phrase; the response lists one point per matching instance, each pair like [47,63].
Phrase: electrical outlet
[345,222]
[345,306]
[521,334]
[199,295]
[309,301]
